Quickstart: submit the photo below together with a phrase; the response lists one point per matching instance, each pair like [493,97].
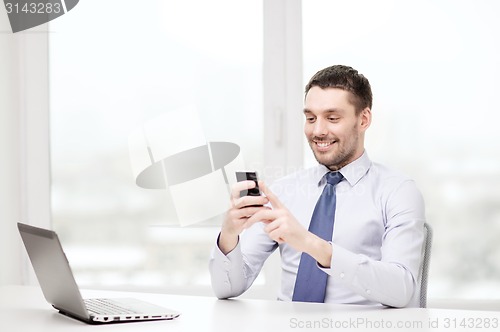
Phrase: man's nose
[319,128]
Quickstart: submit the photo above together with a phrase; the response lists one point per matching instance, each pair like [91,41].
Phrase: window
[107,76]
[433,70]
[432,66]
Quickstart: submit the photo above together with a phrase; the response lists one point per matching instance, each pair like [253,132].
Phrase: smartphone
[251,176]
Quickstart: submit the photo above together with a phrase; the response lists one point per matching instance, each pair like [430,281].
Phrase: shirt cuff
[344,264]
[232,256]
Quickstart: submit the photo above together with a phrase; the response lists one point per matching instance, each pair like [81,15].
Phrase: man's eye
[333,119]
[310,119]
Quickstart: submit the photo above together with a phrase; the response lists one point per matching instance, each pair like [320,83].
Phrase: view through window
[107,76]
[433,69]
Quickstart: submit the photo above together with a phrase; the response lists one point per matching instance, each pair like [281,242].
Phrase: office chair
[426,252]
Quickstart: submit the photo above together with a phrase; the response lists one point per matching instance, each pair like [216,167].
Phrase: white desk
[24,309]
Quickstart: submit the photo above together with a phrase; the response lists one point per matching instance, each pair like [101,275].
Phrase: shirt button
[368,291]
[342,275]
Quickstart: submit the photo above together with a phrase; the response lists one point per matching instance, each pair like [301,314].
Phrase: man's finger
[272,226]
[238,187]
[249,211]
[245,201]
[263,215]
[276,236]
[275,202]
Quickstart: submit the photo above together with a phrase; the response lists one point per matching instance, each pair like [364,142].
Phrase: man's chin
[325,159]
[332,162]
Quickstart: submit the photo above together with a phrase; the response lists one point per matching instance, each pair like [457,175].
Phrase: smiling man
[349,230]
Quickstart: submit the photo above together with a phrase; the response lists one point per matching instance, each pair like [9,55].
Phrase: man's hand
[283,227]
[238,216]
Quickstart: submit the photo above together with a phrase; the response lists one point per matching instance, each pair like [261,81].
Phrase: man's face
[334,132]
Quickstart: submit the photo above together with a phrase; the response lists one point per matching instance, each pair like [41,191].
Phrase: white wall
[10,271]
[24,143]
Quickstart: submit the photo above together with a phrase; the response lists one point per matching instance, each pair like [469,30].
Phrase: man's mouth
[324,145]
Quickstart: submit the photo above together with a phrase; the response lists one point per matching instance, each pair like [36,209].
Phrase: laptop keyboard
[106,307]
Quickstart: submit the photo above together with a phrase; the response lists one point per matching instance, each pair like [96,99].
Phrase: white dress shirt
[376,244]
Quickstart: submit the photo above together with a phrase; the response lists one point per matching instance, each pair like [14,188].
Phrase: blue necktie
[310,285]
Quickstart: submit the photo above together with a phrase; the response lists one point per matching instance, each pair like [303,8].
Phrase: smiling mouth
[324,145]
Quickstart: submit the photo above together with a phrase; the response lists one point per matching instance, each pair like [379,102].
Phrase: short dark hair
[345,78]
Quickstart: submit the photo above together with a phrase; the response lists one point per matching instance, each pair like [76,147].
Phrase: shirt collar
[352,172]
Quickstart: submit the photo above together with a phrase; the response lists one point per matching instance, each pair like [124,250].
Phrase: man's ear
[365,118]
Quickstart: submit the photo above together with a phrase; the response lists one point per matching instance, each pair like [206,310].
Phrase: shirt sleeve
[392,280]
[226,272]
[232,274]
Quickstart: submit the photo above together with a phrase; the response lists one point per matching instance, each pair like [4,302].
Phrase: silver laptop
[60,289]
